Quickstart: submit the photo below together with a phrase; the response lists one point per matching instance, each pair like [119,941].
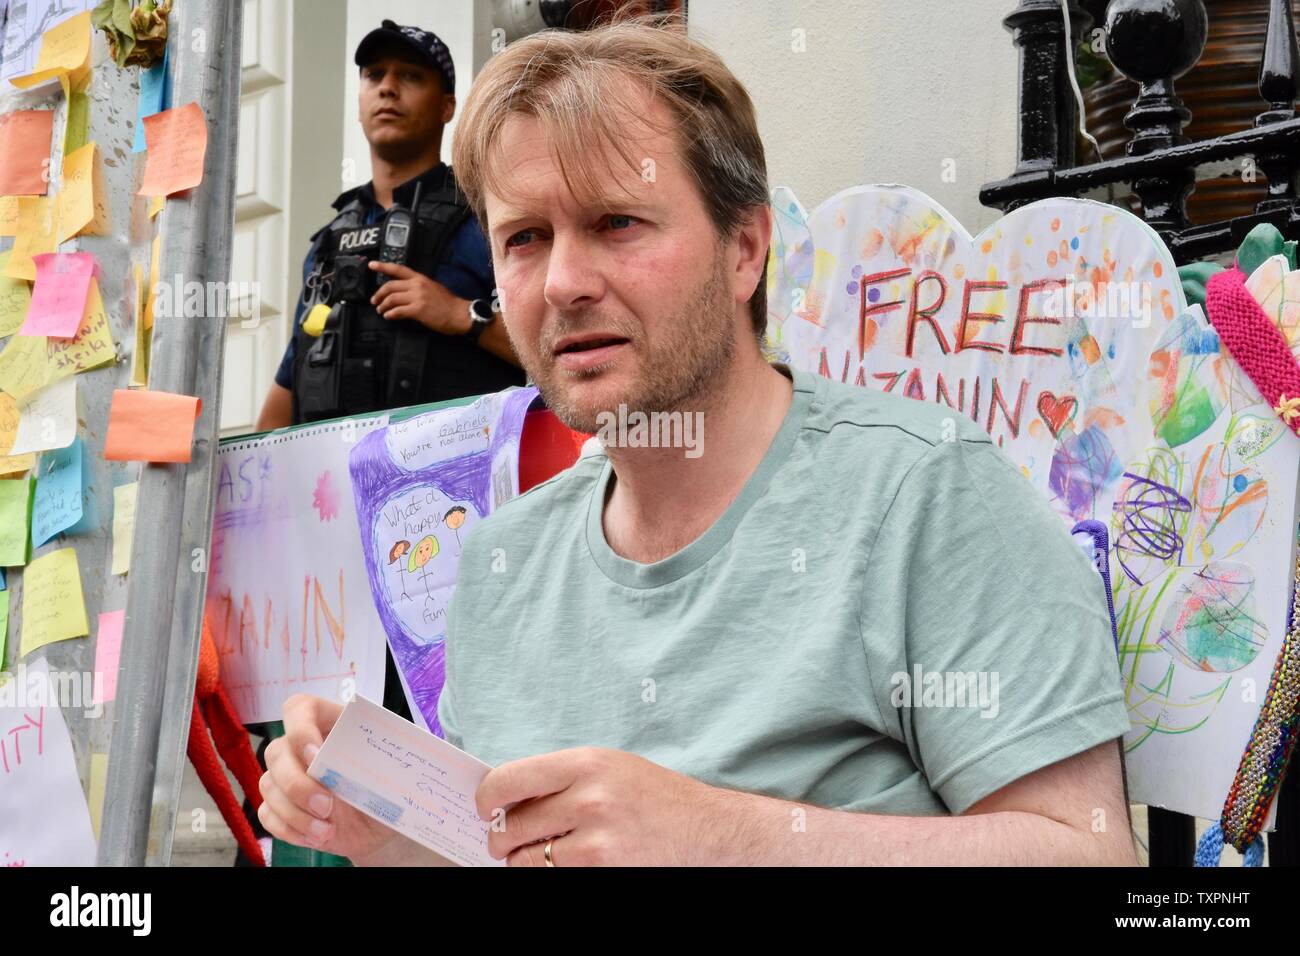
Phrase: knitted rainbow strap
[1259,347]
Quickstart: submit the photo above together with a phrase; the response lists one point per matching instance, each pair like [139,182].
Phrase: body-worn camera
[351,278]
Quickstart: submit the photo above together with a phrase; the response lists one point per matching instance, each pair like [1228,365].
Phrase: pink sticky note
[108,651]
[59,296]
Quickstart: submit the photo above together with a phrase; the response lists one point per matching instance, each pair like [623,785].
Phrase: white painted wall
[885,91]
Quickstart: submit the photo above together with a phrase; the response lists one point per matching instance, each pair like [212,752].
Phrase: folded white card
[407,779]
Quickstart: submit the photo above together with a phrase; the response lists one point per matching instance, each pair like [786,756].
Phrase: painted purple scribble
[1147,528]
[1082,466]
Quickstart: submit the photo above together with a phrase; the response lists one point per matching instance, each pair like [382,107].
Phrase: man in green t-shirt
[820,624]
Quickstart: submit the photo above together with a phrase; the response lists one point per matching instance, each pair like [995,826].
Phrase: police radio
[395,237]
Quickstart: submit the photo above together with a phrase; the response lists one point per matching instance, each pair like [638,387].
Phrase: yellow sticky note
[80,201]
[8,216]
[96,790]
[92,347]
[155,257]
[143,340]
[9,414]
[15,297]
[15,522]
[123,525]
[65,49]
[53,606]
[156,204]
[35,235]
[24,365]
[314,324]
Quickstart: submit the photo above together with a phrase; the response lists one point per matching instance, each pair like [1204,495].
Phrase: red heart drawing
[1057,412]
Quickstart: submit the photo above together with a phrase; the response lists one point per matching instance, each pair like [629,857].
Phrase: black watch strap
[481,316]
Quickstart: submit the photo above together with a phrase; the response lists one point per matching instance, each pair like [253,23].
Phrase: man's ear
[448,109]
[753,237]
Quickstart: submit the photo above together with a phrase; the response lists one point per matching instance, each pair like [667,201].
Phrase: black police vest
[366,363]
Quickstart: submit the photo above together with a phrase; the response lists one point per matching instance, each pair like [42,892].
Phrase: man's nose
[572,276]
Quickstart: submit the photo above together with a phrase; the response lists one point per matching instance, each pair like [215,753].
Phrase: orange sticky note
[177,140]
[150,426]
[25,152]
[65,49]
[59,296]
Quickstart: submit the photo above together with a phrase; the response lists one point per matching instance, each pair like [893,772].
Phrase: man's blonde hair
[576,85]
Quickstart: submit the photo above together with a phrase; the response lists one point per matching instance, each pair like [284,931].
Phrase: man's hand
[299,810]
[412,295]
[604,807]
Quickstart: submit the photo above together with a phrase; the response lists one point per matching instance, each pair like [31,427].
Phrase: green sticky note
[15,521]
[4,625]
[74,134]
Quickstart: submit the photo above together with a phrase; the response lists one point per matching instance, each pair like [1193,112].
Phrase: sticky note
[156,204]
[314,324]
[3,583]
[96,790]
[108,651]
[53,606]
[36,228]
[48,418]
[15,297]
[143,340]
[150,426]
[123,525]
[4,625]
[58,505]
[59,296]
[8,217]
[9,464]
[155,96]
[65,49]
[155,263]
[77,124]
[25,137]
[24,365]
[15,520]
[178,140]
[93,347]
[81,209]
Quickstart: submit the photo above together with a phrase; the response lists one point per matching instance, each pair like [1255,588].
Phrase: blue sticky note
[59,502]
[155,96]
[4,586]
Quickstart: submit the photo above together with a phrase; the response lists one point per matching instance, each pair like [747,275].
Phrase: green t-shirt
[879,538]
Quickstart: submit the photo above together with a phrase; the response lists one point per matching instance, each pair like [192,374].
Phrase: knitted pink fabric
[1256,344]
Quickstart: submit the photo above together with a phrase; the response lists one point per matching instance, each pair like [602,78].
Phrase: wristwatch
[481,316]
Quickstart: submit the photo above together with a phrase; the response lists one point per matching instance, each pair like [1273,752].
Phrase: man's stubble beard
[683,373]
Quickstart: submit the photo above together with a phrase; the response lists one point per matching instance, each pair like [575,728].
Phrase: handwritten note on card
[408,779]
[178,140]
[54,608]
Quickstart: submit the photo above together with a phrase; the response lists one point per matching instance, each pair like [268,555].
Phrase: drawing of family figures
[425,550]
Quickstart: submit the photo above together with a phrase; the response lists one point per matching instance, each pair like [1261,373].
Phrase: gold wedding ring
[546,852]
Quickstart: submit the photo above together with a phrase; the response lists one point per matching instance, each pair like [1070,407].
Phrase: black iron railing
[1153,43]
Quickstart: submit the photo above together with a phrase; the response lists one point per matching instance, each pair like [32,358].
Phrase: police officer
[397,306]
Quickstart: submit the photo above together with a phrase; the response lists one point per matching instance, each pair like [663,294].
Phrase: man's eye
[619,221]
[519,238]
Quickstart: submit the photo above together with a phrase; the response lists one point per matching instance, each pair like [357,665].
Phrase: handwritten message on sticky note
[150,426]
[123,526]
[25,152]
[177,142]
[24,365]
[80,201]
[407,779]
[65,49]
[9,415]
[59,297]
[60,502]
[35,235]
[108,652]
[15,297]
[47,419]
[93,346]
[8,216]
[44,820]
[54,608]
[15,521]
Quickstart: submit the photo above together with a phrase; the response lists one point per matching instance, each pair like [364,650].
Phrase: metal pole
[169,554]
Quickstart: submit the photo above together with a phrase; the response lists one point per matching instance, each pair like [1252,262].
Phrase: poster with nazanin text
[421,486]
[1063,331]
